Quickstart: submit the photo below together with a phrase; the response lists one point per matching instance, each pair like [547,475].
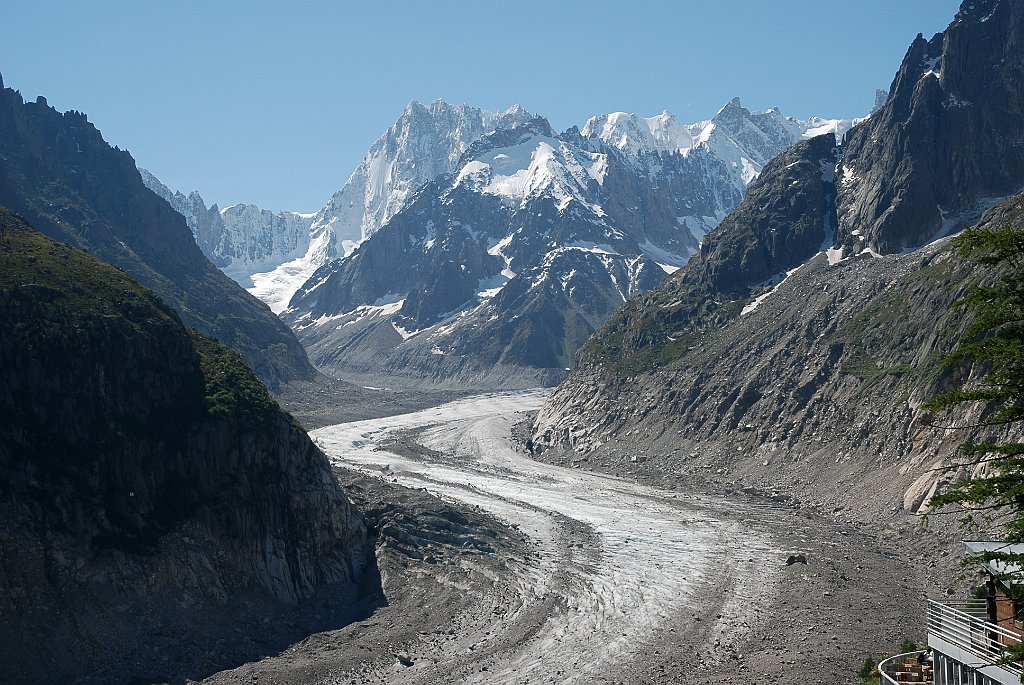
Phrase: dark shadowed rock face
[58,172]
[149,478]
[949,138]
[927,149]
[794,190]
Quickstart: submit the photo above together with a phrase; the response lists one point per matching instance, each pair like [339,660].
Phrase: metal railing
[887,668]
[965,626]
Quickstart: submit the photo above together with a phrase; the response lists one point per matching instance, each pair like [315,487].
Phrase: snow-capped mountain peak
[425,142]
[655,183]
[759,133]
[535,165]
[745,141]
[533,237]
[634,135]
[528,161]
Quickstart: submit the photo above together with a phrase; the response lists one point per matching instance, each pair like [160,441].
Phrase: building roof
[998,567]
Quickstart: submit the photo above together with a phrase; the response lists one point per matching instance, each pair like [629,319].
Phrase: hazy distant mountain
[425,142]
[240,239]
[273,254]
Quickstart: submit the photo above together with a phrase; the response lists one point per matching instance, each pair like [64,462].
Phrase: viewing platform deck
[966,648]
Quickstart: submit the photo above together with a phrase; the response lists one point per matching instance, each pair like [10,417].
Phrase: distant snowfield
[277,287]
[656,549]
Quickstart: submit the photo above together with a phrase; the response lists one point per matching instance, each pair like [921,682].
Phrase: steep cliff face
[784,219]
[425,142]
[949,139]
[865,195]
[204,221]
[57,171]
[149,479]
[790,351]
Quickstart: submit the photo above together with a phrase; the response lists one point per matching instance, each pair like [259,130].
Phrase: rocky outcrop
[57,171]
[796,191]
[424,143]
[784,220]
[816,392]
[523,336]
[790,353]
[150,482]
[949,139]
[205,222]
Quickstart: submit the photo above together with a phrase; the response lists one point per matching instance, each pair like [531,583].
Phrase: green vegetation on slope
[101,377]
[147,474]
[884,338]
[994,343]
[747,250]
[70,287]
[232,390]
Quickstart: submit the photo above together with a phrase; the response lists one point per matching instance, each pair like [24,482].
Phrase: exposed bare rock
[948,140]
[815,393]
[154,494]
[495,272]
[58,172]
[801,368]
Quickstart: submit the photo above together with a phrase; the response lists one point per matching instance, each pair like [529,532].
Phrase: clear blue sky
[275,103]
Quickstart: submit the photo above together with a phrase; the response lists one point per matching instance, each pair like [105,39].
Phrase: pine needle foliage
[994,342]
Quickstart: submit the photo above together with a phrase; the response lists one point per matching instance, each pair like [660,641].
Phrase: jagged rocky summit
[58,172]
[493,274]
[274,254]
[948,142]
[793,353]
[154,494]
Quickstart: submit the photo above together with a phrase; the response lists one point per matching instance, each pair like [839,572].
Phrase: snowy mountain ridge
[536,162]
[745,140]
[426,141]
[713,161]
[496,272]
[242,239]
